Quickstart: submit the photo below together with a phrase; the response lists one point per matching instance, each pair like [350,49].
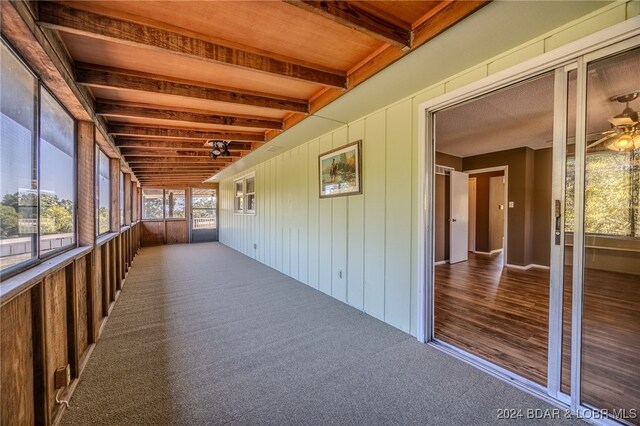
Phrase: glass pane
[104,193]
[251,202]
[493,229]
[239,190]
[569,197]
[174,205]
[251,185]
[203,198]
[152,203]
[57,175]
[611,301]
[239,205]
[204,219]
[18,187]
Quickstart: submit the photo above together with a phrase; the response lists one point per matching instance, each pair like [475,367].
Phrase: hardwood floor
[501,315]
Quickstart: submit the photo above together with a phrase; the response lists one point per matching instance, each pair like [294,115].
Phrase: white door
[459,218]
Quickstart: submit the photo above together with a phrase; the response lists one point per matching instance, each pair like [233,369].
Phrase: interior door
[496,213]
[459,217]
[204,215]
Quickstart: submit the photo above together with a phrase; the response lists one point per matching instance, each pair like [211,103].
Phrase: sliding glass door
[588,211]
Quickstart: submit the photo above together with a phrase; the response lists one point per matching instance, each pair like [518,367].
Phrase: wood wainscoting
[53,318]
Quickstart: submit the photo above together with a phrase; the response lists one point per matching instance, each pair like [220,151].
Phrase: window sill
[104,238]
[12,287]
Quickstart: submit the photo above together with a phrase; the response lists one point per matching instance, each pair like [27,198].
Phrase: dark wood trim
[359,19]
[132,110]
[89,24]
[72,320]
[96,76]
[450,15]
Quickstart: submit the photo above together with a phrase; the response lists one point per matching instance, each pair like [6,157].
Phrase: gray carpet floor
[204,335]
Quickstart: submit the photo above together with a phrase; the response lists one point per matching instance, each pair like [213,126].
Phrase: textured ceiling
[522,115]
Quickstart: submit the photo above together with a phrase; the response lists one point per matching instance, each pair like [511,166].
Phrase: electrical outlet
[62,377]
[255,246]
[339,273]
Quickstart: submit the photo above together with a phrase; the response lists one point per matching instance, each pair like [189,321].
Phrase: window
[239,197]
[27,151]
[610,203]
[103,205]
[245,195]
[159,204]
[203,208]
[57,175]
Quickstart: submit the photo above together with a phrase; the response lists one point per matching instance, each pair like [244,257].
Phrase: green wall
[362,249]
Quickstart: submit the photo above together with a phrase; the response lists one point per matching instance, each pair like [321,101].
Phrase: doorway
[204,215]
[493,302]
[573,284]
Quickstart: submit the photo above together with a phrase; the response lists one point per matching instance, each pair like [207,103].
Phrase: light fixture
[624,142]
[219,148]
[626,128]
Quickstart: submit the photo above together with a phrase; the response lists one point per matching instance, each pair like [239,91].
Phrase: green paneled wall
[370,238]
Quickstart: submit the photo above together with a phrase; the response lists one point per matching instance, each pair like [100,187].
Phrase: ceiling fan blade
[599,141]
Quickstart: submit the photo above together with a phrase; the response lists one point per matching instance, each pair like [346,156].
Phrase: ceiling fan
[625,127]
[219,148]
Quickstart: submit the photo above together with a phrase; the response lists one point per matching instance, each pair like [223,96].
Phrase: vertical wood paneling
[55,320]
[127,199]
[17,404]
[415,216]
[355,237]
[373,154]
[286,213]
[339,233]
[86,186]
[293,213]
[279,210]
[313,230]
[398,224]
[97,296]
[325,213]
[303,215]
[273,226]
[82,329]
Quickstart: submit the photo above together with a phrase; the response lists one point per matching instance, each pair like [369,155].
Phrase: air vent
[443,170]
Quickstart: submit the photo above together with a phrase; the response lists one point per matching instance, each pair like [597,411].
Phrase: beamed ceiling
[168,76]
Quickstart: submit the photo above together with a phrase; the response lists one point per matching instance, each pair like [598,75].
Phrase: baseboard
[496,251]
[527,267]
[441,262]
[486,253]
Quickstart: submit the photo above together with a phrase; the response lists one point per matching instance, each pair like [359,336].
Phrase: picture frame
[340,171]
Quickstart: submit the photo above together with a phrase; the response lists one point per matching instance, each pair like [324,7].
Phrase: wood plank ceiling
[170,75]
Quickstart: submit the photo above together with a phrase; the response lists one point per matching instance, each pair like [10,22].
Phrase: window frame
[97,192]
[37,258]
[245,211]
[164,215]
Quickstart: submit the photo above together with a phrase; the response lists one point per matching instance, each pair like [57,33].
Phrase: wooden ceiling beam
[120,129]
[221,161]
[98,76]
[180,145]
[131,110]
[151,167]
[66,19]
[168,153]
[359,19]
[448,16]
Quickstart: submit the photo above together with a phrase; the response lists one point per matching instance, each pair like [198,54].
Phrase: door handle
[453,220]
[558,215]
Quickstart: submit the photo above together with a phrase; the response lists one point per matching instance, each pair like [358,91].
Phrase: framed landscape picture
[340,171]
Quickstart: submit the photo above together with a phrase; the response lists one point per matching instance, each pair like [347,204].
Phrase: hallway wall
[362,249]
